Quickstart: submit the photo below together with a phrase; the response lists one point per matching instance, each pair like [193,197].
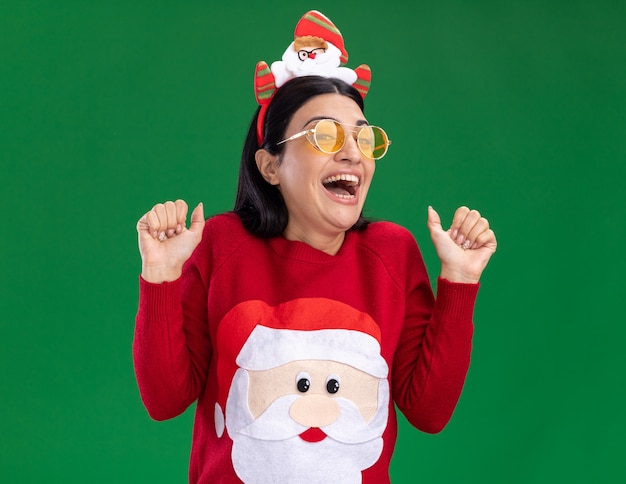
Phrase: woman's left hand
[465,248]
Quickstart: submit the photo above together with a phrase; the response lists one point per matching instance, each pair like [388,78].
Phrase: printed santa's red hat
[318,25]
[257,336]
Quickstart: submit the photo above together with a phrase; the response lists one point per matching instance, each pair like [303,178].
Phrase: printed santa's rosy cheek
[358,387]
[266,386]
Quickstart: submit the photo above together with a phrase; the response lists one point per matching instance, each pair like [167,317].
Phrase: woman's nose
[350,150]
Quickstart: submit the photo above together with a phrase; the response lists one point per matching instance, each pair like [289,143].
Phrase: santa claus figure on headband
[317,50]
[308,397]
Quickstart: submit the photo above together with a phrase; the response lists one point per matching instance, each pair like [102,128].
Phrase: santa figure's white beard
[325,64]
[269,449]
[324,61]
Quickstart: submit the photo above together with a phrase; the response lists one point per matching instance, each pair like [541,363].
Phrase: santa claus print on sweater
[305,391]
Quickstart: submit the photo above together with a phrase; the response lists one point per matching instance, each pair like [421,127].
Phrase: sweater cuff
[455,300]
[158,301]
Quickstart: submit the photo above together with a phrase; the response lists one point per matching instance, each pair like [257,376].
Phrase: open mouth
[342,186]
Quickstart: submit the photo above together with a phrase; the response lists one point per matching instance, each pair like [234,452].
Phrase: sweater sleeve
[171,346]
[433,354]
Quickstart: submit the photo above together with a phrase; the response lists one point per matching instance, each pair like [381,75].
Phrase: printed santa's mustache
[350,428]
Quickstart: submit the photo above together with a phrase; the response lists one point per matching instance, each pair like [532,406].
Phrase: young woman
[293,322]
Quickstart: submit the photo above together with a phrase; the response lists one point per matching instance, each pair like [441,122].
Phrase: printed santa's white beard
[270,449]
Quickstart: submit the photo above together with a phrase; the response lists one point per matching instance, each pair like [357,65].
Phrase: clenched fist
[165,242]
[465,248]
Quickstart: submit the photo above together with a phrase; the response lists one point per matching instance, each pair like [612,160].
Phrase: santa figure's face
[311,54]
[321,388]
[316,419]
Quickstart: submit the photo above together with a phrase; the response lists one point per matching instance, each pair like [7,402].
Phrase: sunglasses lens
[373,142]
[329,136]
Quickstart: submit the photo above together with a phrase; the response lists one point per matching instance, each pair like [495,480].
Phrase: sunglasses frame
[310,136]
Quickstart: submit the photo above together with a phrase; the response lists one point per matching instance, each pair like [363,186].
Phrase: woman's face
[318,202]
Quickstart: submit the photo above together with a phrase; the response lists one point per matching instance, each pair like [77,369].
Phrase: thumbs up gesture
[465,248]
[165,242]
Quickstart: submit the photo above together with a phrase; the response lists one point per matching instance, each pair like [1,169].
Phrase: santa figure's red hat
[257,336]
[318,25]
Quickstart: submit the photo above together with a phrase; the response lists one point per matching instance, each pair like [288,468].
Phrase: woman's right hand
[165,243]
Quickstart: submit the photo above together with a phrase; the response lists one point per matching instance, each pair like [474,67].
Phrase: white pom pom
[219,420]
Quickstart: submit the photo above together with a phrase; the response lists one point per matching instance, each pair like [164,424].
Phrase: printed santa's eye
[332,384]
[303,382]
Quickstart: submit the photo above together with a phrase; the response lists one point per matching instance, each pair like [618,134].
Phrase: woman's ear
[268,166]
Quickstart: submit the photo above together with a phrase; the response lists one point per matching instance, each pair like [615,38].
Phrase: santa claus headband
[315,37]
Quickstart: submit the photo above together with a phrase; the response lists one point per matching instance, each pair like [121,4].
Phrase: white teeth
[344,177]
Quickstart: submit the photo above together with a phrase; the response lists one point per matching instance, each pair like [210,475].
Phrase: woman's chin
[344,221]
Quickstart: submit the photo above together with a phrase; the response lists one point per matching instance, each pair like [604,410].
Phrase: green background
[514,108]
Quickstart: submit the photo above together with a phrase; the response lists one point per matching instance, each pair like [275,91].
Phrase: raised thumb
[434,221]
[197,219]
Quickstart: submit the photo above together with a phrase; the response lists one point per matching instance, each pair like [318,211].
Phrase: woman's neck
[329,243]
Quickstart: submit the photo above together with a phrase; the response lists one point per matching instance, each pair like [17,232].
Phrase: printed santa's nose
[312,55]
[315,410]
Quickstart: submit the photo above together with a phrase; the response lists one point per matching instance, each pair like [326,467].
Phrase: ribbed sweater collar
[297,250]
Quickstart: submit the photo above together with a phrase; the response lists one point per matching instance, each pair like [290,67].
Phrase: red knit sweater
[378,274]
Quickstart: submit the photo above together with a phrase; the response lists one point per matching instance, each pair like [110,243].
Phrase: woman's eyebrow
[360,122]
[317,118]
